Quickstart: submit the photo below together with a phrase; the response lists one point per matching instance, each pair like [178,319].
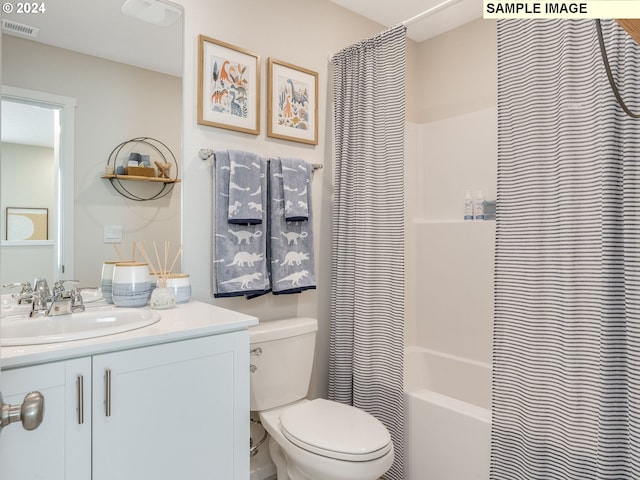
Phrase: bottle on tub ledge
[478,206]
[468,205]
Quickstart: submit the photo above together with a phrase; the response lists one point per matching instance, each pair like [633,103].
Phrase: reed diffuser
[161,296]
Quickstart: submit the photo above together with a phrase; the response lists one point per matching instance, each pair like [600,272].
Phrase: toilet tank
[281,359]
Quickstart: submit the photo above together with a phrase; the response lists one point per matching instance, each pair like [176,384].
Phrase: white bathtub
[447,416]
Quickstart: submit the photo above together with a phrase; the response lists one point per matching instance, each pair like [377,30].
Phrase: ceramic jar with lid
[131,284]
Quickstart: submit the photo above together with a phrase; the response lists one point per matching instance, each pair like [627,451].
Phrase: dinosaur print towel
[245,188]
[290,243]
[295,181]
[240,251]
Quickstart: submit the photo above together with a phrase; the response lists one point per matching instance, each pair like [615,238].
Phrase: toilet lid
[335,430]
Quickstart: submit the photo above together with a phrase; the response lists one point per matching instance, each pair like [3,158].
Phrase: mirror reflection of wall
[114,103]
[28,165]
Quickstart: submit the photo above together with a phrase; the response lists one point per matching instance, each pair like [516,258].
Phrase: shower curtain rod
[428,12]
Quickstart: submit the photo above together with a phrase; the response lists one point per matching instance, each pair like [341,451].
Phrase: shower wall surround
[450,297]
[451,147]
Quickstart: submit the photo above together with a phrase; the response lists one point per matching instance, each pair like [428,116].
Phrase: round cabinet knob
[30,413]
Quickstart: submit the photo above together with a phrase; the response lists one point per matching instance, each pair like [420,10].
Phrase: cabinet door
[60,448]
[173,411]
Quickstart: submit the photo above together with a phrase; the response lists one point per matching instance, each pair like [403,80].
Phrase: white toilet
[309,439]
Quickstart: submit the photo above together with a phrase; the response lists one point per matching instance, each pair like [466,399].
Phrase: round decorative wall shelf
[159,155]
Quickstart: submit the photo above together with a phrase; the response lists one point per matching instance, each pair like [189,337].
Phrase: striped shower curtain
[566,388]
[367,276]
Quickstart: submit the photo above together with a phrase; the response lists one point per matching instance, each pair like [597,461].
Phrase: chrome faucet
[60,302]
[41,287]
[65,302]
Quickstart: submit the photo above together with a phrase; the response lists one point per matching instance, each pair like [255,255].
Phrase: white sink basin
[94,322]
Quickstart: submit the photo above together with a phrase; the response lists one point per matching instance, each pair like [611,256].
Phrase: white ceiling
[446,14]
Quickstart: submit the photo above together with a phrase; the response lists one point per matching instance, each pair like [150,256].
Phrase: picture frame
[27,224]
[228,86]
[292,110]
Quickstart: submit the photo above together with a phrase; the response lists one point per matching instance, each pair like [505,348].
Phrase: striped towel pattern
[367,281]
[566,379]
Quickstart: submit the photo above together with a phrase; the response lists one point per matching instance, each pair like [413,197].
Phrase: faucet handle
[77,302]
[26,292]
[58,286]
[26,286]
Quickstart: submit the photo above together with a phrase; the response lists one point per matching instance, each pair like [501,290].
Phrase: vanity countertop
[189,320]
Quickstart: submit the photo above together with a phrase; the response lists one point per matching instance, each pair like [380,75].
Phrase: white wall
[457,72]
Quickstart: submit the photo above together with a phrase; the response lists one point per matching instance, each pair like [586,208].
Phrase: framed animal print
[228,86]
[292,103]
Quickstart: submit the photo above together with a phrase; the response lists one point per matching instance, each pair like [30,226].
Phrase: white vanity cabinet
[164,411]
[60,448]
[173,411]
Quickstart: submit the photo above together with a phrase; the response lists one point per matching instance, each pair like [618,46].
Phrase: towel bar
[207,153]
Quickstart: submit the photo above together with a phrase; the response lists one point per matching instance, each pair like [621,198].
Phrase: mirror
[124,77]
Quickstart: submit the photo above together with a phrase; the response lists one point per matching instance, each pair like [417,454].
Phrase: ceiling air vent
[16,28]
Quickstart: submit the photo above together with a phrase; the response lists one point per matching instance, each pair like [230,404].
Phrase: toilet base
[291,459]
[284,471]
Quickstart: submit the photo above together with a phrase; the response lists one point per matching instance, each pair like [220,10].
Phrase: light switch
[113,234]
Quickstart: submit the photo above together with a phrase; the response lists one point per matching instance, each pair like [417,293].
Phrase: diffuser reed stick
[118,254]
[176,259]
[160,272]
[146,258]
[134,252]
[160,269]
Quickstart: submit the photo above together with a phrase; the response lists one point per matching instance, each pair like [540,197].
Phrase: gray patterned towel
[290,243]
[245,188]
[239,251]
[295,183]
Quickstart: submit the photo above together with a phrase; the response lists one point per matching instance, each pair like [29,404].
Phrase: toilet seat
[335,430]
